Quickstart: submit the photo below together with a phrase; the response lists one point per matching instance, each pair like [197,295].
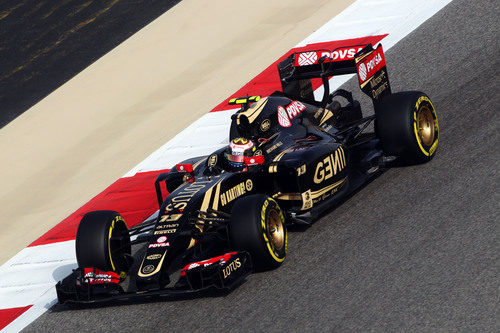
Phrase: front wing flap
[223,272]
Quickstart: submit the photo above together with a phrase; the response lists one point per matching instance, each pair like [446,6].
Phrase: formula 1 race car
[216,225]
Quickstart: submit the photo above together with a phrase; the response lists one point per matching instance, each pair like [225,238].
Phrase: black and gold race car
[216,225]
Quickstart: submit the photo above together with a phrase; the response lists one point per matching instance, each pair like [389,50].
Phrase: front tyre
[257,225]
[407,125]
[103,242]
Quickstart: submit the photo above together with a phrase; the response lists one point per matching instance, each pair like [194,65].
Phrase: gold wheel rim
[425,125]
[276,229]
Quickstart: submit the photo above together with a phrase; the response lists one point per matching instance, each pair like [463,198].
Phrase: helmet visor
[235,158]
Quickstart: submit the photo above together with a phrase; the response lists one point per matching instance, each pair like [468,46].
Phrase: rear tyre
[103,242]
[257,225]
[406,124]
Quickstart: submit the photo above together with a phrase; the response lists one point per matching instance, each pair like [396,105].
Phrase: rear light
[184,167]
[254,160]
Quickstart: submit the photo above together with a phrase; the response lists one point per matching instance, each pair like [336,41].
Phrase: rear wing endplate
[297,70]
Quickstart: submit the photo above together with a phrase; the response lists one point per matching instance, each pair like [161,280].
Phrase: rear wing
[297,70]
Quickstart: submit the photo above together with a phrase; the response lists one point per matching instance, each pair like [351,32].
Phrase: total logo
[160,242]
[292,110]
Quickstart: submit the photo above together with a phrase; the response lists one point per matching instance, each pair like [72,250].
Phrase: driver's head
[238,149]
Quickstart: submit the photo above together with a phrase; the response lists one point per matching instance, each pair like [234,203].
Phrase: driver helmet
[238,149]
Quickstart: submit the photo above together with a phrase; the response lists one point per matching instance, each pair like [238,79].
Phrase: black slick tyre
[406,124]
[257,225]
[103,242]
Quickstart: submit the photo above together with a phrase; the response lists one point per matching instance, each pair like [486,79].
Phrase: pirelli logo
[330,166]
[166,231]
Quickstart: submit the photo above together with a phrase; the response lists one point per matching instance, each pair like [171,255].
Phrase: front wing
[222,273]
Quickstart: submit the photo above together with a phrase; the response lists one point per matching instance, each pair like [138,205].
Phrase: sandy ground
[92,130]
[49,42]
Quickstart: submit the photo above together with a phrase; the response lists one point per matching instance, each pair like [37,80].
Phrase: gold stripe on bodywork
[268,139]
[198,163]
[191,243]
[208,195]
[207,199]
[204,207]
[215,205]
[343,156]
[319,193]
[254,111]
[359,59]
[366,82]
[327,114]
[287,196]
[279,156]
[157,269]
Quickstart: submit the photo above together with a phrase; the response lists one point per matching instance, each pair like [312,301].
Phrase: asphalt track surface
[415,250]
[45,43]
